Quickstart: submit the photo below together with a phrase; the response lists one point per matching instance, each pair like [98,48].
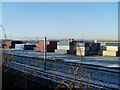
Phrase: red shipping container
[51,46]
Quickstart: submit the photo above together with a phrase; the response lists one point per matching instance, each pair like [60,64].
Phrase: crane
[3,31]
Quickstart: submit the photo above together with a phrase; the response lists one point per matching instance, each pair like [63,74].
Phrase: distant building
[87,48]
[51,46]
[8,44]
[66,47]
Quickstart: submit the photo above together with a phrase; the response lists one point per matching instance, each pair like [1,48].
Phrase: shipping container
[112,48]
[24,46]
[58,51]
[50,46]
[103,48]
[15,42]
[63,47]
[29,47]
[19,46]
[110,53]
[88,48]
[112,44]
[8,44]
[63,43]
[80,51]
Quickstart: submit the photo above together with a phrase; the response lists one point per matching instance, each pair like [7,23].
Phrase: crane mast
[3,31]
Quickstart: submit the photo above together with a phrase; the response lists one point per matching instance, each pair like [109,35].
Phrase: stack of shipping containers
[105,43]
[65,47]
[112,49]
[87,48]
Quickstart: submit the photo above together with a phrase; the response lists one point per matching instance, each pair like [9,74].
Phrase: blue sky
[0,13]
[60,20]
[0,20]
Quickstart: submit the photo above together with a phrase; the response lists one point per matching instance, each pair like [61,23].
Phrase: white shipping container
[58,51]
[80,51]
[112,48]
[63,47]
[109,53]
[19,46]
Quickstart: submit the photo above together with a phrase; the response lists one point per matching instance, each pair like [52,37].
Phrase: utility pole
[82,33]
[26,37]
[45,49]
[36,38]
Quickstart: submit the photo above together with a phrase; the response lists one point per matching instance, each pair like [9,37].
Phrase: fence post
[44,53]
